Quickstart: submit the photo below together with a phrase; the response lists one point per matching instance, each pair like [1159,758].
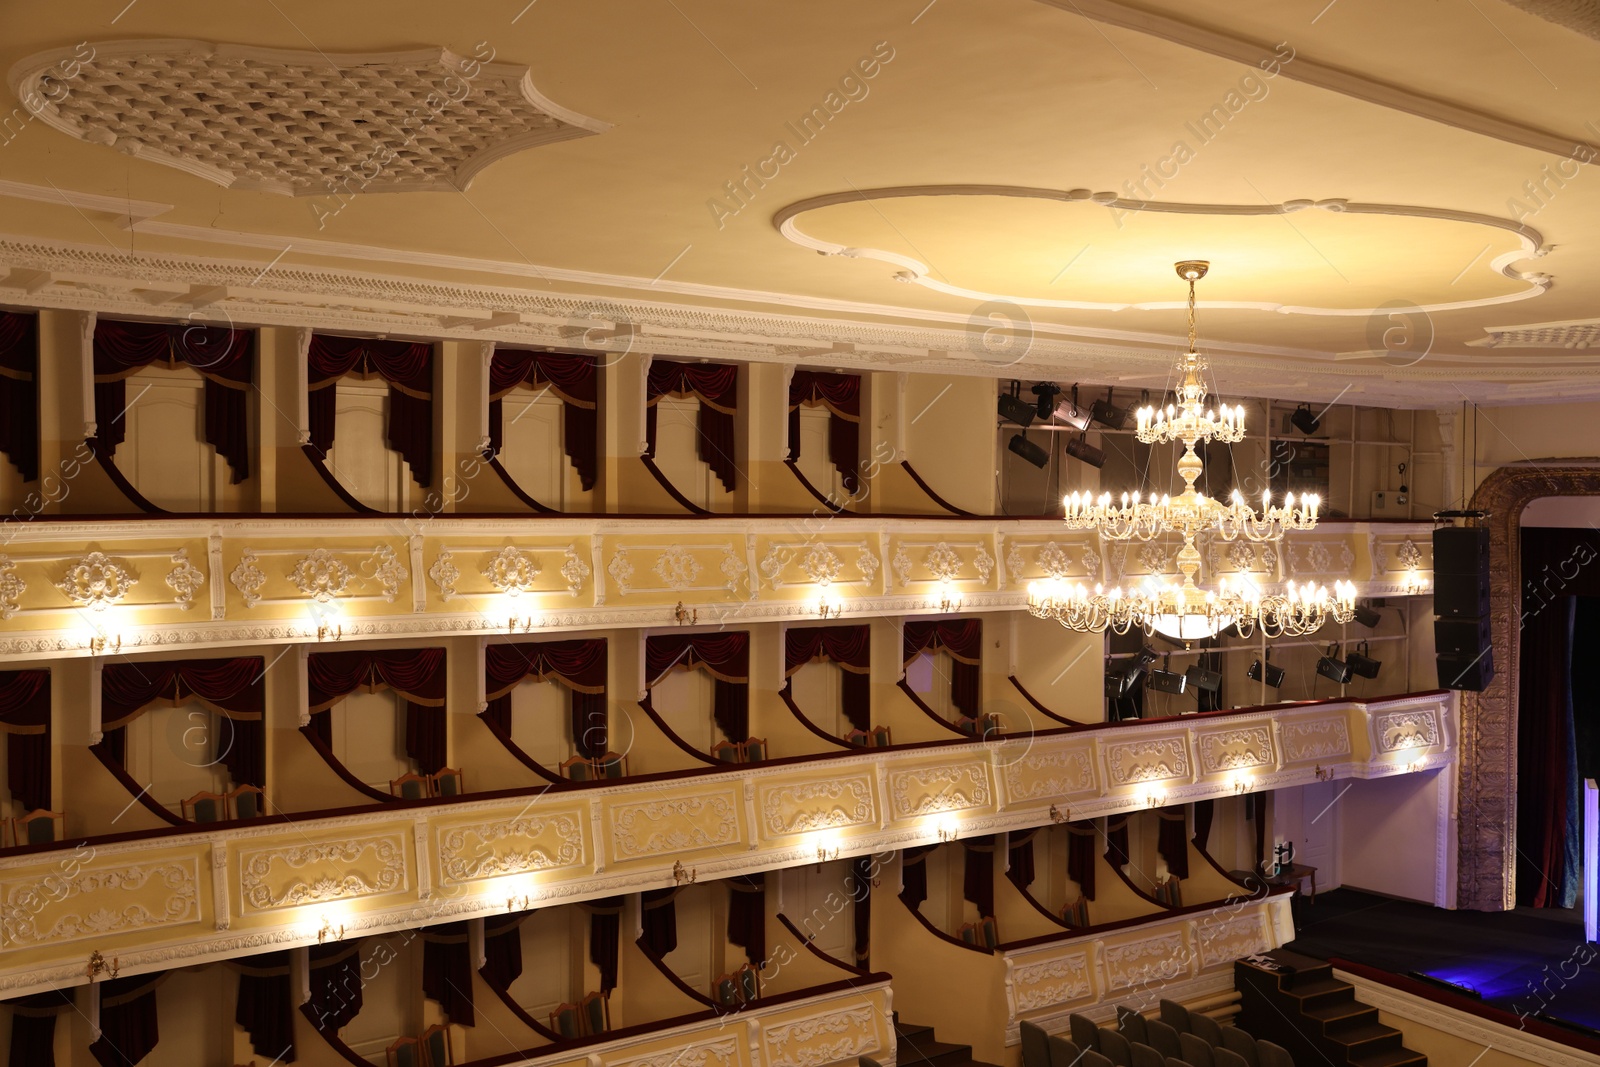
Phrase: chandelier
[1183,610]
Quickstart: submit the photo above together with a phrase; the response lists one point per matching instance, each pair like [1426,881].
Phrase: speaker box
[1471,673]
[1461,550]
[1461,637]
[1461,596]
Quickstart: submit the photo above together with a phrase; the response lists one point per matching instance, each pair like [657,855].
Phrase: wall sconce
[685,616]
[1416,765]
[99,642]
[1058,816]
[328,631]
[328,932]
[828,605]
[950,598]
[519,622]
[1155,798]
[1241,784]
[97,965]
[522,903]
[682,875]
[1324,774]
[947,830]
[1413,583]
[826,854]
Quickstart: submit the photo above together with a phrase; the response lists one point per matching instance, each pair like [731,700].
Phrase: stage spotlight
[1361,664]
[1331,667]
[1304,421]
[1081,450]
[1045,402]
[1069,413]
[1014,409]
[1367,615]
[1028,450]
[1106,413]
[1200,678]
[1274,674]
[1165,680]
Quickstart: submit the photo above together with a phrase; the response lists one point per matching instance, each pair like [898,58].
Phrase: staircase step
[930,1051]
[1400,1057]
[1321,993]
[1335,1018]
[1369,1038]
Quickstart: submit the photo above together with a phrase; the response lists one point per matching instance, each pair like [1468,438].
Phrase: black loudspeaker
[1461,550]
[1472,673]
[1461,607]
[1460,637]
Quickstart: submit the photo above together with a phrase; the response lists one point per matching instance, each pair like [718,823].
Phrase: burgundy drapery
[1117,840]
[1019,861]
[962,640]
[224,357]
[659,921]
[25,719]
[841,395]
[1172,840]
[417,674]
[977,876]
[861,875]
[1204,812]
[502,950]
[19,392]
[572,377]
[335,985]
[407,367]
[605,938]
[716,386]
[265,1005]
[914,874]
[1080,855]
[447,971]
[128,1030]
[233,688]
[33,1026]
[1547,801]
[580,667]
[725,656]
[747,915]
[848,646]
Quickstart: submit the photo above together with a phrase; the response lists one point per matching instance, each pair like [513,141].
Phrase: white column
[302,385]
[86,395]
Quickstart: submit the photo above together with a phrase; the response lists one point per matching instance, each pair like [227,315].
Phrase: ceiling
[998,188]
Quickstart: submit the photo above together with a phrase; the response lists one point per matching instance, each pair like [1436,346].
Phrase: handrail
[520,1012]
[787,695]
[930,713]
[1206,855]
[1041,909]
[935,497]
[940,934]
[522,757]
[672,490]
[333,1039]
[139,793]
[517,490]
[1097,929]
[347,497]
[649,709]
[1041,709]
[683,987]
[827,957]
[827,502]
[107,462]
[337,766]
[1116,868]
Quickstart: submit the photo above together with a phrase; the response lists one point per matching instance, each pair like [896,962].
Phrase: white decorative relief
[163,894]
[96,581]
[1575,334]
[1053,982]
[942,562]
[1234,750]
[445,574]
[900,563]
[302,123]
[930,790]
[1397,730]
[867,563]
[574,571]
[1147,760]
[466,852]
[1091,561]
[335,874]
[1317,558]
[322,576]
[12,586]
[1410,555]
[733,569]
[1223,939]
[621,571]
[512,571]
[1062,773]
[184,579]
[1156,558]
[387,570]
[662,827]
[824,1038]
[1242,555]
[829,805]
[821,564]
[1052,559]
[1143,963]
[723,1053]
[983,563]
[248,578]
[1316,739]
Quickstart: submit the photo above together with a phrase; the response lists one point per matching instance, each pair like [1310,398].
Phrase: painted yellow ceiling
[1006,92]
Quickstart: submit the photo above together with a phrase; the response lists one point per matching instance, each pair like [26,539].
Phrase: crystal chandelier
[1183,610]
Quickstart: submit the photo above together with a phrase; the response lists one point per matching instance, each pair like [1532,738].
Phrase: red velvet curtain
[716,385]
[861,874]
[1080,855]
[659,920]
[447,971]
[848,646]
[1172,840]
[962,640]
[977,876]
[572,377]
[25,719]
[408,368]
[128,1030]
[841,395]
[19,391]
[725,656]
[417,674]
[1020,859]
[1204,812]
[1548,797]
[335,981]
[502,950]
[1117,840]
[265,1005]
[233,688]
[224,357]
[605,932]
[33,1026]
[914,874]
[580,666]
[747,915]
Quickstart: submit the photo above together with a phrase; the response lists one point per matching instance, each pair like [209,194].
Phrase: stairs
[917,1046]
[1315,1016]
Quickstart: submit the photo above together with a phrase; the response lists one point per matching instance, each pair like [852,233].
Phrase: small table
[1294,875]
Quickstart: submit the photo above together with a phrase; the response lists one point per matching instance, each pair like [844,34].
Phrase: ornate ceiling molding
[919,273]
[1571,334]
[297,123]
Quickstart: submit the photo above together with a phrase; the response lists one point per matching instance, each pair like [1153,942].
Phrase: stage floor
[1528,960]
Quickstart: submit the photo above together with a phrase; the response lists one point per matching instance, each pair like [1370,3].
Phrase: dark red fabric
[723,655]
[447,971]
[861,874]
[502,950]
[1020,860]
[572,377]
[1080,855]
[605,938]
[716,385]
[1172,840]
[33,1025]
[659,920]
[591,726]
[977,876]
[19,392]
[335,985]
[849,646]
[572,663]
[265,1005]
[1117,840]
[730,708]
[224,357]
[962,639]
[25,705]
[841,394]
[1547,801]
[234,685]
[418,674]
[747,916]
[914,875]
[855,699]
[1204,812]
[128,1030]
[408,368]
[427,737]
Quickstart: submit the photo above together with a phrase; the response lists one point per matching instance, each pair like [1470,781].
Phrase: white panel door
[174,752]
[830,923]
[164,454]
[541,724]
[390,976]
[816,692]
[547,954]
[814,462]
[360,457]
[683,699]
[702,919]
[678,451]
[1308,816]
[369,737]
[532,444]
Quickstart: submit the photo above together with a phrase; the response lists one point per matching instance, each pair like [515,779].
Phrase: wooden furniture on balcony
[206,807]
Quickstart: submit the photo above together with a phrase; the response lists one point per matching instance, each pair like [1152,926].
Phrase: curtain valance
[840,394]
[417,674]
[230,687]
[716,386]
[848,646]
[573,377]
[407,367]
[725,656]
[578,665]
[961,638]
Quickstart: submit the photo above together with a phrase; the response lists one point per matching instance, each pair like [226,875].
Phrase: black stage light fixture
[1367,615]
[1200,678]
[1106,412]
[1068,412]
[1362,664]
[1045,394]
[1331,667]
[1029,451]
[1165,681]
[1304,421]
[1274,674]
[1015,409]
[1081,450]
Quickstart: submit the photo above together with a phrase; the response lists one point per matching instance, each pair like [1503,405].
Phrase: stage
[1524,961]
